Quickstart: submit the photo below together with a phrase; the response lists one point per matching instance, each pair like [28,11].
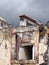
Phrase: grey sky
[11,9]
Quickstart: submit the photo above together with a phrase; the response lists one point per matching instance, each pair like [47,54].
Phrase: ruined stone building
[31,41]
[23,45]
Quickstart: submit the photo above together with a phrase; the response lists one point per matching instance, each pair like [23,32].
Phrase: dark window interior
[21,19]
[28,51]
[1,23]
[29,24]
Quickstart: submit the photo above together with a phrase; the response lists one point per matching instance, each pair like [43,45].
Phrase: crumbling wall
[4,49]
[43,49]
[13,47]
[27,40]
[36,46]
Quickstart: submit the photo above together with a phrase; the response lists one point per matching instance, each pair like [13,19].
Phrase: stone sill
[26,44]
[24,62]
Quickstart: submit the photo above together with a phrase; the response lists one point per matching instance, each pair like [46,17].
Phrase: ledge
[26,44]
[24,62]
[26,29]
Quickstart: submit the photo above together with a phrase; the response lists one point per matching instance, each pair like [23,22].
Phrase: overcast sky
[11,9]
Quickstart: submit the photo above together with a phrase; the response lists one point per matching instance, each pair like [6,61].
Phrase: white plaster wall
[23,23]
[20,34]
[44,39]
[22,54]
[33,52]
[5,53]
[42,48]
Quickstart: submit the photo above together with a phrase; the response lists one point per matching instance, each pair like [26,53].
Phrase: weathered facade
[26,44]
[31,40]
[5,44]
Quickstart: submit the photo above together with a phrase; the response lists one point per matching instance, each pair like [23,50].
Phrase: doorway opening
[26,53]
